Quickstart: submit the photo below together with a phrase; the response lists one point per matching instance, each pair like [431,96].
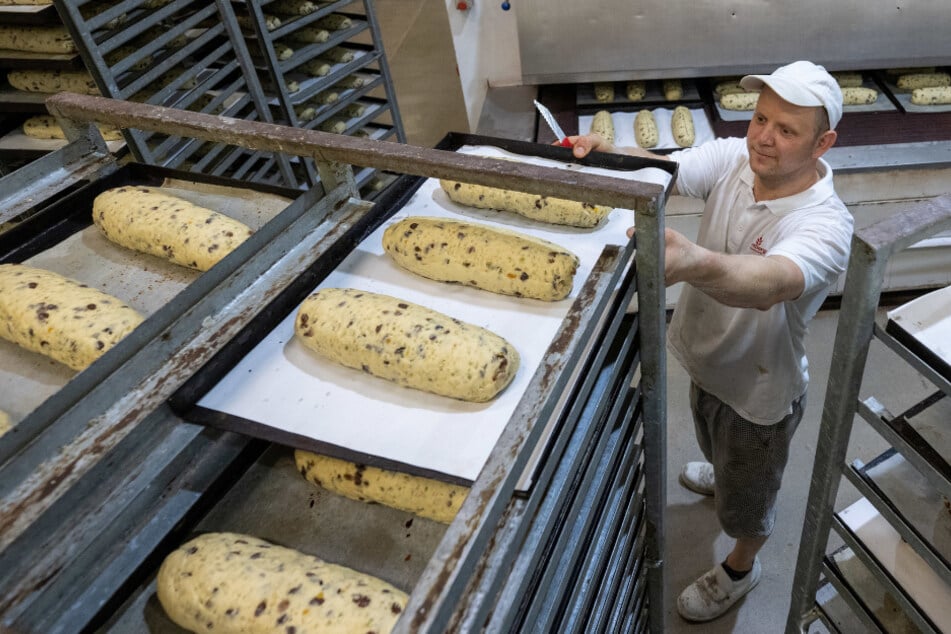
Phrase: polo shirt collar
[819,192]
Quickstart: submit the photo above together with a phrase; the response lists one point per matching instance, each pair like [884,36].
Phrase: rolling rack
[323,67]
[898,533]
[103,478]
[183,54]
[220,58]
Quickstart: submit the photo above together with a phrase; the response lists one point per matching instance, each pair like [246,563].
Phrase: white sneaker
[715,592]
[698,477]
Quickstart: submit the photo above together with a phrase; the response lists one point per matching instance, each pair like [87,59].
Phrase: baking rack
[894,539]
[102,479]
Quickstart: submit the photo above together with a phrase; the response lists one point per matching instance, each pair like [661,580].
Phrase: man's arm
[742,281]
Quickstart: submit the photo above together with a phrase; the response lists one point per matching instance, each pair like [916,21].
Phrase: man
[773,239]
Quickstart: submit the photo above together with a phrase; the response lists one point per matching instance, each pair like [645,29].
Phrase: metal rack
[822,588]
[308,89]
[96,487]
[220,58]
[182,54]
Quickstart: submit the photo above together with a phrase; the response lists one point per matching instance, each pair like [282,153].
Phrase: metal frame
[67,436]
[871,250]
[226,70]
[287,102]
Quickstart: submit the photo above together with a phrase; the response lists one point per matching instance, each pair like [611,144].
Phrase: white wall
[486,42]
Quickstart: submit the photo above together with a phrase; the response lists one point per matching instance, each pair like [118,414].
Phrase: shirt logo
[757,246]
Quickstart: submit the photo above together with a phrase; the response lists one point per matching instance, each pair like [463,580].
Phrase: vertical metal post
[863,289]
[385,70]
[651,294]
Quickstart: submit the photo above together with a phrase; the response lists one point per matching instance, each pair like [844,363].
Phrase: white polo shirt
[753,360]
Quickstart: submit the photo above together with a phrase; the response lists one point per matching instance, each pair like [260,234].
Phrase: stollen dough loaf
[44,126]
[61,318]
[408,344]
[37,39]
[493,259]
[233,583]
[544,208]
[50,81]
[426,497]
[147,220]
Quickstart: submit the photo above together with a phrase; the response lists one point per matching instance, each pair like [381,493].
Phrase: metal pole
[651,294]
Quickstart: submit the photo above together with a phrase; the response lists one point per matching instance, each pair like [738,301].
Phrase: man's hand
[584,144]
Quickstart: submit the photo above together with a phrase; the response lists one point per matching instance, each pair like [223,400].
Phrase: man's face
[783,139]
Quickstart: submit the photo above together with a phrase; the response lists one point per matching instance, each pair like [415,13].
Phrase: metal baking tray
[624,117]
[61,238]
[273,501]
[267,332]
[653,95]
[29,14]
[923,325]
[903,97]
[27,60]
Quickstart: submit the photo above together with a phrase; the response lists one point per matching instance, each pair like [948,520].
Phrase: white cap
[802,84]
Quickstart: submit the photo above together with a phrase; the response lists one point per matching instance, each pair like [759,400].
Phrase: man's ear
[825,141]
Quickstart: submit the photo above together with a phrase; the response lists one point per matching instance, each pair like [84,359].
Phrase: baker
[773,239]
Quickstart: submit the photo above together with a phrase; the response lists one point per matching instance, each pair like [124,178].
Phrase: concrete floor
[694,539]
[416,37]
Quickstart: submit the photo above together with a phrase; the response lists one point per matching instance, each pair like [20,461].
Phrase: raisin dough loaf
[426,497]
[408,344]
[61,318]
[233,583]
[147,220]
[44,126]
[37,39]
[485,257]
[50,81]
[558,211]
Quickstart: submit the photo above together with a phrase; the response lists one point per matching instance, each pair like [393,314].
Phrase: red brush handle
[566,143]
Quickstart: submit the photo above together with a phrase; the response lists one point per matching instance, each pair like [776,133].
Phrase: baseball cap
[803,84]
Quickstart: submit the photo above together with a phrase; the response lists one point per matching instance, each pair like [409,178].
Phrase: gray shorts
[748,462]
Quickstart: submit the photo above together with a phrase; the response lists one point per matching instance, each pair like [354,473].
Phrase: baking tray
[904,97]
[923,325]
[60,237]
[28,60]
[653,95]
[264,384]
[882,104]
[624,126]
[17,144]
[35,15]
[274,502]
